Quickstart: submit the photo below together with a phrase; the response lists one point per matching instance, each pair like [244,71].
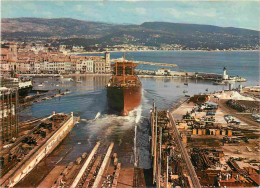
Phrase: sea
[130,134]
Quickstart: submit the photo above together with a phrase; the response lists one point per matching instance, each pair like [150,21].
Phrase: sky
[242,14]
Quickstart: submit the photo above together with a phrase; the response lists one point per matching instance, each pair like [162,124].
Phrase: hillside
[80,32]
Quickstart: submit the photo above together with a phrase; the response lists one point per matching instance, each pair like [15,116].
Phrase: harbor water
[130,134]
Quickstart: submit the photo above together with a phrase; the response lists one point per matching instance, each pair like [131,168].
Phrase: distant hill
[80,32]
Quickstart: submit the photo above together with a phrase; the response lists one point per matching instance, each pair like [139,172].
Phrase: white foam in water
[98,114]
[104,125]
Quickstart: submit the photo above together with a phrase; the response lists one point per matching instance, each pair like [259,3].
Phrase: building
[100,66]
[58,66]
[85,66]
[163,72]
[77,48]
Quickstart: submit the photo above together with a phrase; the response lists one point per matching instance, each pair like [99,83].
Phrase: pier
[171,162]
[156,64]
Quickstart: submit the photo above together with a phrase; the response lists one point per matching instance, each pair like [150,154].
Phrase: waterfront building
[58,66]
[37,67]
[163,72]
[100,66]
[85,66]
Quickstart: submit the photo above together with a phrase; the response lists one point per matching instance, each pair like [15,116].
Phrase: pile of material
[232,95]
[244,106]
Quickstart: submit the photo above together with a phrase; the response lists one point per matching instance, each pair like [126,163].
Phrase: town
[36,60]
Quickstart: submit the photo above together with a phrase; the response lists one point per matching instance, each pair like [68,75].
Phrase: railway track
[191,170]
[92,171]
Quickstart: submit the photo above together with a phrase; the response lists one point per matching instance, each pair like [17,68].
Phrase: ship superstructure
[124,89]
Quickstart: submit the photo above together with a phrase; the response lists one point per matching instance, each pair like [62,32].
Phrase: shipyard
[127,94]
[190,143]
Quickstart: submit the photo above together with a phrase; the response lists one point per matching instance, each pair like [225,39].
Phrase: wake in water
[127,132]
[104,126]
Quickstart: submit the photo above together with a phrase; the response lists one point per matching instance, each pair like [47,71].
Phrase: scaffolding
[9,114]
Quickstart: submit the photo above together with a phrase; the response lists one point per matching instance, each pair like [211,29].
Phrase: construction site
[24,152]
[207,140]
[171,164]
[223,144]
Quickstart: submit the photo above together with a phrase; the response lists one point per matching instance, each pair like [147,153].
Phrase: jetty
[156,64]
[147,63]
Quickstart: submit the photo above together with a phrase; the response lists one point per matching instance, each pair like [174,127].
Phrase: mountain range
[86,33]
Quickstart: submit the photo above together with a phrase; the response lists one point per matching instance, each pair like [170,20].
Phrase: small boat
[185,91]
[187,95]
[186,83]
[40,85]
[66,79]
[219,83]
[207,89]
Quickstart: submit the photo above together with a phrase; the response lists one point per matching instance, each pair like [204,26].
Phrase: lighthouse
[224,76]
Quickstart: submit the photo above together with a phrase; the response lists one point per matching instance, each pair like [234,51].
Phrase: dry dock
[100,168]
[22,156]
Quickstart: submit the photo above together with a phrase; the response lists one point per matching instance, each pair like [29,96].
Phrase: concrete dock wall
[42,152]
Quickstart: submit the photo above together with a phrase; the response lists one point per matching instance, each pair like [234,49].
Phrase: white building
[163,72]
[85,66]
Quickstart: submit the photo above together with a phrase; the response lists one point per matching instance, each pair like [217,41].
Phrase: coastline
[82,53]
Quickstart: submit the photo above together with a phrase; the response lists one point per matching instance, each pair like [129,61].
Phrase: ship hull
[122,100]
[24,91]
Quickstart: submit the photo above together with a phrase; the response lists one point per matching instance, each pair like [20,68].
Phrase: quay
[171,163]
[21,157]
[192,173]
[205,141]
[218,79]
[220,142]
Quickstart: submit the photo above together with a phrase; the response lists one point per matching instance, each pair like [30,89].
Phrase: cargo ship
[124,89]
